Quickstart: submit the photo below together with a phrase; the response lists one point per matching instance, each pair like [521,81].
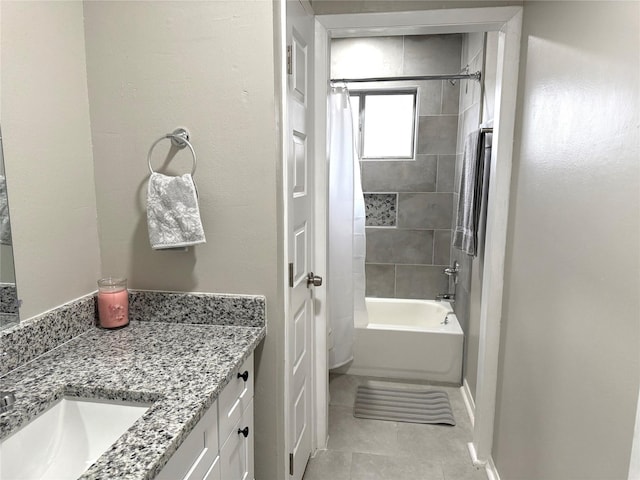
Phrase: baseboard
[489,467]
[468,401]
[492,471]
[474,456]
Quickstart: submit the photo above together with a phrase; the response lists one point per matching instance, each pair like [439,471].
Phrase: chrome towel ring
[180,139]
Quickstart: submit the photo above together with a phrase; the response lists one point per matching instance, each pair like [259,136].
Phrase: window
[385,121]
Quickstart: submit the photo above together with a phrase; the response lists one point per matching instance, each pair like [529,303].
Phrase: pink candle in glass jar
[113,302]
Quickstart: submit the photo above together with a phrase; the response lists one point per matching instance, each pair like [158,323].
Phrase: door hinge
[291,464]
[291,274]
[289,60]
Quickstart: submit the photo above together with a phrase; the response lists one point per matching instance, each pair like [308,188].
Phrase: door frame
[508,22]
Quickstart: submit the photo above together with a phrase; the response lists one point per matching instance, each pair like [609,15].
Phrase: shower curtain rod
[459,76]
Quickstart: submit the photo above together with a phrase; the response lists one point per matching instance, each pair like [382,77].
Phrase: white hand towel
[173,215]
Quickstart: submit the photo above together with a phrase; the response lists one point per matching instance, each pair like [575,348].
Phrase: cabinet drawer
[234,399]
[214,471]
[236,455]
[198,452]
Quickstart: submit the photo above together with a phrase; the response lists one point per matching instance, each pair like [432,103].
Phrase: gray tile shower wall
[419,175]
[431,54]
[405,258]
[469,287]
[425,210]
[437,134]
[399,246]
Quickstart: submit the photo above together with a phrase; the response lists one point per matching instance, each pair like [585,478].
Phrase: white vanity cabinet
[198,456]
[235,417]
[221,444]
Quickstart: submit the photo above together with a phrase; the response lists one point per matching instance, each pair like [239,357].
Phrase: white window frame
[362,93]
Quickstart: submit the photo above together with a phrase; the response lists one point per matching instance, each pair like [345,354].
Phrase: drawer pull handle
[244,431]
[244,376]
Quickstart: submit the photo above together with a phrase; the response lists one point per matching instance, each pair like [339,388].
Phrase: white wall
[148,67]
[570,366]
[209,66]
[47,148]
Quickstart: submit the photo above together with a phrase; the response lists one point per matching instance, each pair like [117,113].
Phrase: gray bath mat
[403,403]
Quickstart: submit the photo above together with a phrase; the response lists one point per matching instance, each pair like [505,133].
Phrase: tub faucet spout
[451,297]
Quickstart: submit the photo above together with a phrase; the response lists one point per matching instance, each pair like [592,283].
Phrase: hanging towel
[173,216]
[473,188]
[5,225]
[481,211]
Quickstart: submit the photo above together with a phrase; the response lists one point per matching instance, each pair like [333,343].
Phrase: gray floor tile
[383,467]
[329,464]
[462,469]
[350,434]
[434,442]
[362,449]
[342,389]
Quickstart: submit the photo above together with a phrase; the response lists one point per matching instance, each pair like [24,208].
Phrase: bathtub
[408,339]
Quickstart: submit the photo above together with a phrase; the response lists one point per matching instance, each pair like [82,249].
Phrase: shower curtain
[346,288]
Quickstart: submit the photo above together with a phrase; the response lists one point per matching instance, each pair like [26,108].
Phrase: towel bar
[180,139]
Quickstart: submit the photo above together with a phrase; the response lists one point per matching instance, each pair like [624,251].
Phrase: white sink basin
[65,440]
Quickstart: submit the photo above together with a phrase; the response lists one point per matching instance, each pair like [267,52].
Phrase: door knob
[315,280]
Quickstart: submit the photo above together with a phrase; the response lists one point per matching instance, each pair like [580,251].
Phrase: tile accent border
[33,337]
[381,209]
[199,308]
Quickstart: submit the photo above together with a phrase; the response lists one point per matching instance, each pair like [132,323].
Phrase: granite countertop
[180,369]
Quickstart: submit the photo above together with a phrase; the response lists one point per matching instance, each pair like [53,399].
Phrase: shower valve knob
[314,280]
[452,270]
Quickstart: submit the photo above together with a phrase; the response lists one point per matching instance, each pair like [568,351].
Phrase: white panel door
[299,235]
